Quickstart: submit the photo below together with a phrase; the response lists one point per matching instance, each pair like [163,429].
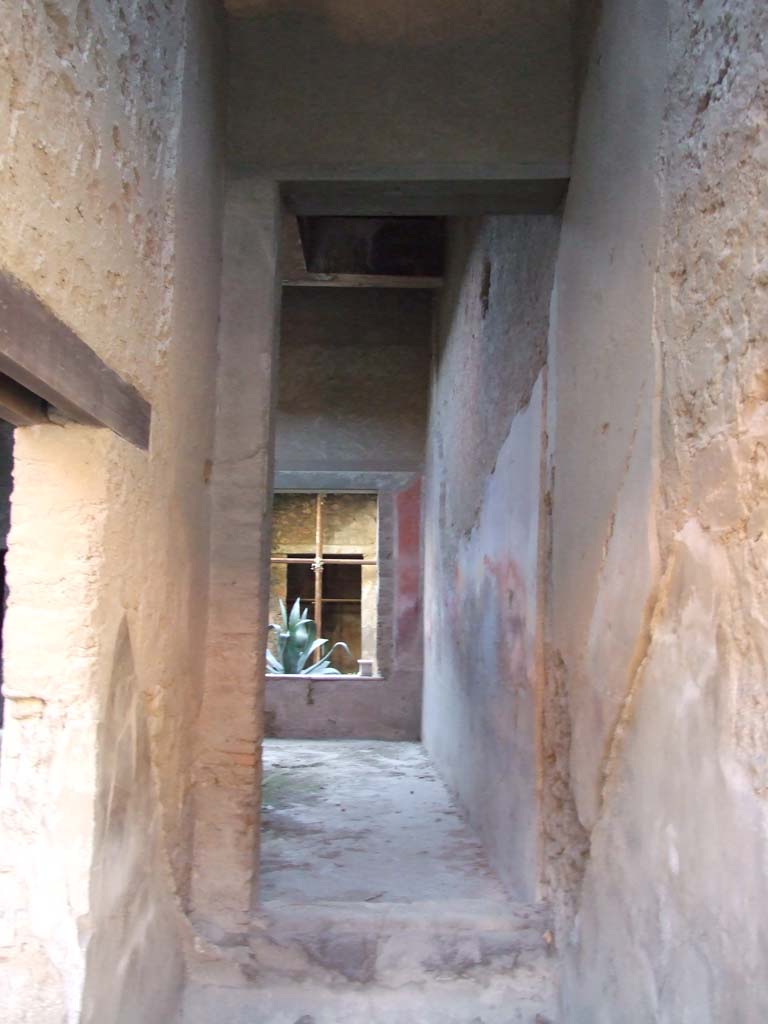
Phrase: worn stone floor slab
[377,905]
[366,822]
[497,1002]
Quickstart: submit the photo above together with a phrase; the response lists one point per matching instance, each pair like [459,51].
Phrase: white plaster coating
[51,718]
[108,549]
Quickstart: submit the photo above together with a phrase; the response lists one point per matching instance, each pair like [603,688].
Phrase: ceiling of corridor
[396,90]
[403,21]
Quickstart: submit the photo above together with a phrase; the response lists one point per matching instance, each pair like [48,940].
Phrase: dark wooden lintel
[437,198]
[19,406]
[308,280]
[44,356]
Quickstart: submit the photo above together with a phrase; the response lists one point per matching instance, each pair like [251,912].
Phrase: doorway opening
[366,828]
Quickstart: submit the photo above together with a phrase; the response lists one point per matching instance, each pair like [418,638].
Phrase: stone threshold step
[366,942]
[491,915]
[497,1001]
[339,945]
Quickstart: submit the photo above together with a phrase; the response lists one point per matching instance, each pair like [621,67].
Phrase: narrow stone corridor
[377,903]
[365,822]
[446,325]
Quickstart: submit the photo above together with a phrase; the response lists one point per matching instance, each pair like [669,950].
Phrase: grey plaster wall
[353,379]
[481,522]
[342,708]
[658,478]
[397,90]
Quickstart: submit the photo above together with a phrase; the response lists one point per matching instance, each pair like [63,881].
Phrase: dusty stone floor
[377,904]
[364,822]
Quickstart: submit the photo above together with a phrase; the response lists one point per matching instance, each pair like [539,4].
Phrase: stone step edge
[484,915]
[282,933]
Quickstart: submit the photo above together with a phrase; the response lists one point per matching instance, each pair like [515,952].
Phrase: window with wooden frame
[325,555]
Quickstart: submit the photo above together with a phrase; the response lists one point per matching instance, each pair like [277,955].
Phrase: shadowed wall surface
[660,489]
[381,90]
[354,373]
[482,508]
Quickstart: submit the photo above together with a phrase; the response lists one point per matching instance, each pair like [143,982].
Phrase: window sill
[324,679]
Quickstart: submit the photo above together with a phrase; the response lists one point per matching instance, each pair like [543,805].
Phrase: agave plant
[297,641]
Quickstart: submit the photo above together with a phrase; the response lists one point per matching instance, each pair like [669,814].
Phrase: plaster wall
[457,90]
[109,186]
[354,375]
[658,421]
[481,521]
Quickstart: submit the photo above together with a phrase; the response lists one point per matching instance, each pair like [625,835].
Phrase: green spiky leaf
[296,643]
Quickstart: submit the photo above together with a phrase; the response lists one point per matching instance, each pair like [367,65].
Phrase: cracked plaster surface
[674,795]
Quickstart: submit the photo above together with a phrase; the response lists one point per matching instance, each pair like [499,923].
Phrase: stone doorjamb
[228,764]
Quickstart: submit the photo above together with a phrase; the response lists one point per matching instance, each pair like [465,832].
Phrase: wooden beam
[361,281]
[438,198]
[19,406]
[43,355]
[318,570]
[291,250]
